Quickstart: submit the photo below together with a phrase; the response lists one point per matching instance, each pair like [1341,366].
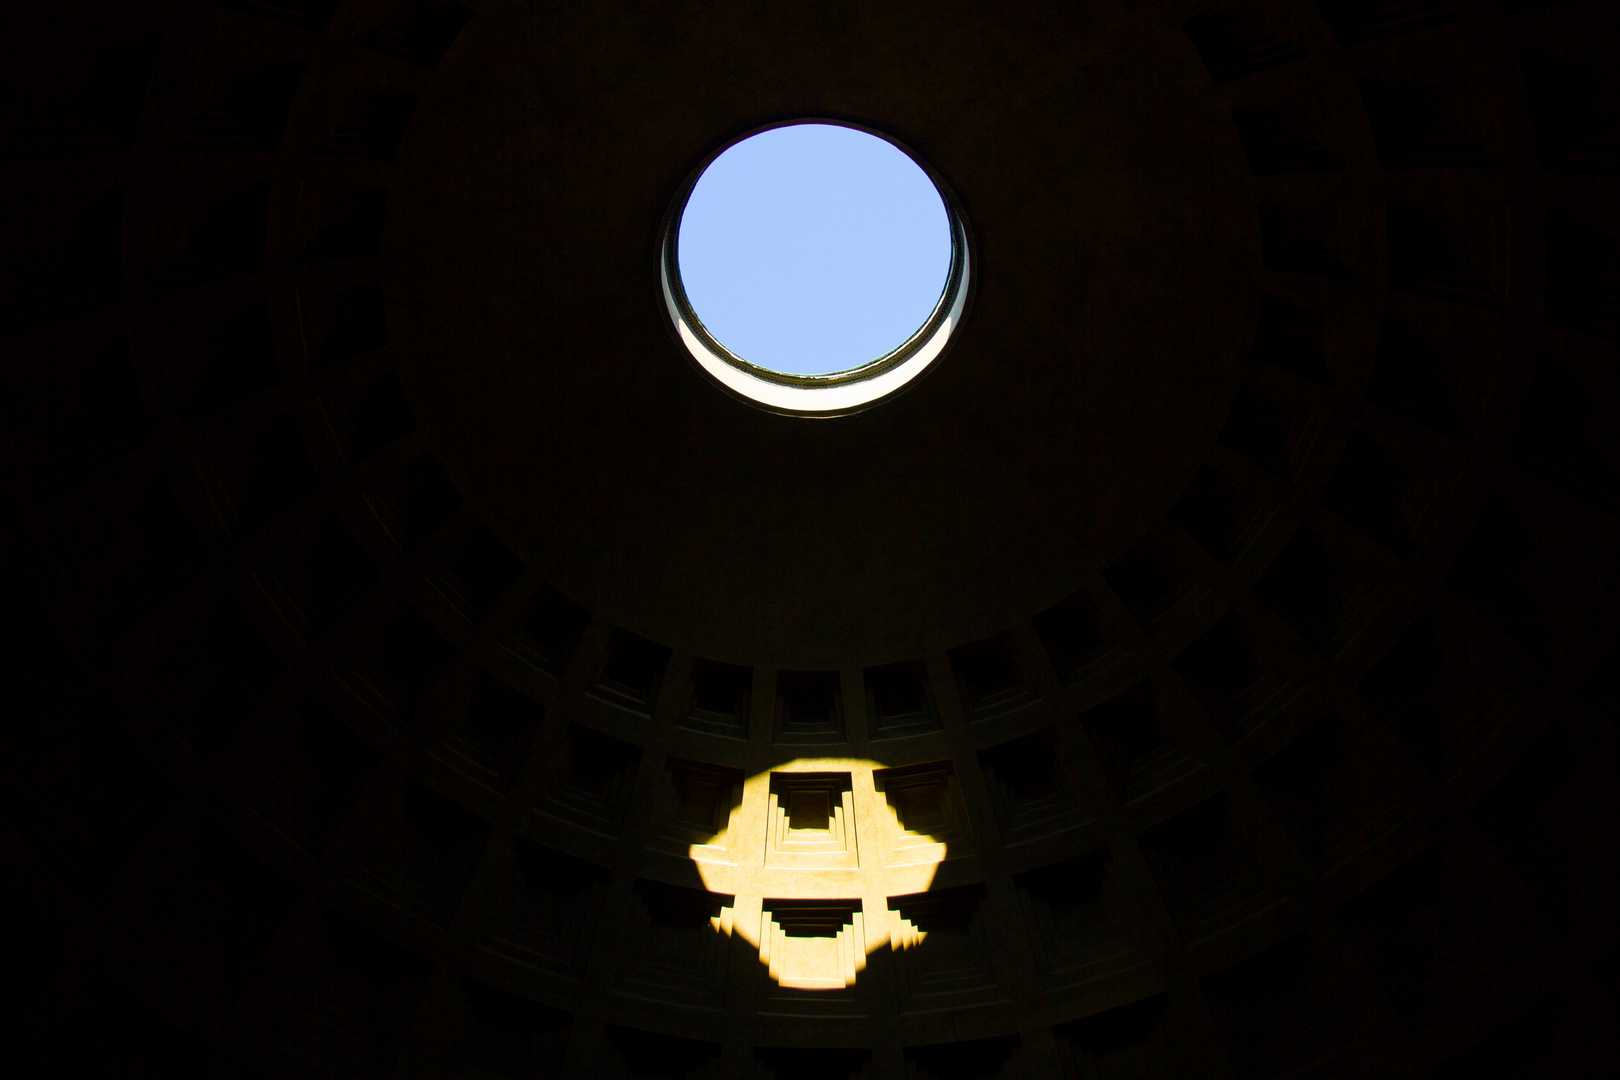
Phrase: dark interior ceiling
[379,579]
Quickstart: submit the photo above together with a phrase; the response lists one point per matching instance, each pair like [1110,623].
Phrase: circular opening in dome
[814,248]
[814,268]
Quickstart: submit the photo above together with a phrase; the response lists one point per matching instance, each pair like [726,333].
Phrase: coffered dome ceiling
[417,667]
[1113,214]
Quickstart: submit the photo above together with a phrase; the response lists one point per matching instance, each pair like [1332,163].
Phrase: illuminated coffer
[812,850]
[810,822]
[813,944]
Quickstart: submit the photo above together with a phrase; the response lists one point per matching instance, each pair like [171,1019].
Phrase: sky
[813,248]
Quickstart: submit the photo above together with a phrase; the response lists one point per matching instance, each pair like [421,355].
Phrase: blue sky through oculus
[813,248]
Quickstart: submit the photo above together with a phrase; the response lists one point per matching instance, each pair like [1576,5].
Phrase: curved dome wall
[389,605]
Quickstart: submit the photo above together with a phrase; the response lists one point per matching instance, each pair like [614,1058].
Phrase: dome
[419,666]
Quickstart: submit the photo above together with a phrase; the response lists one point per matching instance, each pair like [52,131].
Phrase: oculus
[814,268]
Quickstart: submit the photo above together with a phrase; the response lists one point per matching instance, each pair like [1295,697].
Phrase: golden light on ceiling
[816,852]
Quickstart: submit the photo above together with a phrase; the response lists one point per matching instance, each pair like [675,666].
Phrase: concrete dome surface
[416,666]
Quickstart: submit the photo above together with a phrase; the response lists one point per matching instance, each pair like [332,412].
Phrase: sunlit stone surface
[814,852]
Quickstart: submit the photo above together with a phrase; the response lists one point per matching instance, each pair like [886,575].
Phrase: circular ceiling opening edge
[840,393]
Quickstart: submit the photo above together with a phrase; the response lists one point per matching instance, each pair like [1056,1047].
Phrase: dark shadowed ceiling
[388,601]
[1106,190]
